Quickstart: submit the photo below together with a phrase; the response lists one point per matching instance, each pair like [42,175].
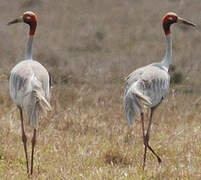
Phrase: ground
[89,47]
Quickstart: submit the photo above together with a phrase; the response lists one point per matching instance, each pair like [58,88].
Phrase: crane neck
[168,55]
[28,50]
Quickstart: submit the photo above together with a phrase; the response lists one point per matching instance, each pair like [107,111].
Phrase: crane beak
[184,21]
[18,20]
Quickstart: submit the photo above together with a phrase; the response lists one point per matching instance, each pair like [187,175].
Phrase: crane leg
[24,138]
[148,135]
[33,145]
[145,145]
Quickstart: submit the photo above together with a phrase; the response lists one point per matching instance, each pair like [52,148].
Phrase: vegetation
[89,47]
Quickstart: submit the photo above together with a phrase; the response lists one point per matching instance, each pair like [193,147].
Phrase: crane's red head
[29,18]
[171,18]
[168,19]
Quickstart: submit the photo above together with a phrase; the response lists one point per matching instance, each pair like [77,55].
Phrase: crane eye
[170,18]
[28,17]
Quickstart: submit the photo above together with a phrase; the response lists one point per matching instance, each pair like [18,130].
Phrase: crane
[146,87]
[29,86]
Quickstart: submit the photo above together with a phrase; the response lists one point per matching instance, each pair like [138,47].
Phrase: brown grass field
[89,47]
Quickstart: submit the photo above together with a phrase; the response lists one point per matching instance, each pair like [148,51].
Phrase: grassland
[89,46]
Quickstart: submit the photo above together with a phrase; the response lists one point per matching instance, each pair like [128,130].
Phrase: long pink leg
[148,135]
[33,145]
[145,145]
[146,138]
[24,138]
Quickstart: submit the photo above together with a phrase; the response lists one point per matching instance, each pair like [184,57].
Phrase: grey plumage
[29,85]
[28,81]
[149,85]
[145,87]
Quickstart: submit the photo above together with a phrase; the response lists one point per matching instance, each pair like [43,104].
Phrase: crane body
[29,86]
[29,81]
[149,85]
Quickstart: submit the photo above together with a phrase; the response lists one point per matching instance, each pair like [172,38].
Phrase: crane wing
[146,100]
[150,84]
[29,89]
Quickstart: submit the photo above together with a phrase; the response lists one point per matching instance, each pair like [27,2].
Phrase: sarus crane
[29,86]
[146,87]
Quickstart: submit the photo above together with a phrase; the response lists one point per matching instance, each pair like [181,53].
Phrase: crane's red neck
[32,29]
[31,19]
[168,20]
[166,28]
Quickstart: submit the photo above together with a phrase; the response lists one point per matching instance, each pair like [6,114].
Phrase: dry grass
[89,46]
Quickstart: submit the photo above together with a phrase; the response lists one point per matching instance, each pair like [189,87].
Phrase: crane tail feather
[39,104]
[43,103]
[145,100]
[133,102]
[130,116]
[33,117]
[131,107]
